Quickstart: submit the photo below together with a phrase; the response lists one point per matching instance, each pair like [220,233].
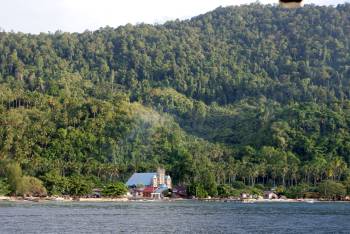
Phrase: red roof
[149,189]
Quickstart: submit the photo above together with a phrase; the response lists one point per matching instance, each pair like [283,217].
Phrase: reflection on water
[174,217]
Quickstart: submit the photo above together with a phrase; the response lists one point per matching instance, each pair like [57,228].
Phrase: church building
[151,179]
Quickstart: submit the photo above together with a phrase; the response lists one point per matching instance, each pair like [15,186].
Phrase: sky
[35,16]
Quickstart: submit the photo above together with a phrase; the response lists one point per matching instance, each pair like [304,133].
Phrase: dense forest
[253,95]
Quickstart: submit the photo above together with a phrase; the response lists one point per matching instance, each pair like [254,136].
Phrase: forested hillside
[253,93]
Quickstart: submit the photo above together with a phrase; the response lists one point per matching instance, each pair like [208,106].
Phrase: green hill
[252,93]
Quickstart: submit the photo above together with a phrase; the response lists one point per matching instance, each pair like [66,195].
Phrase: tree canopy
[253,93]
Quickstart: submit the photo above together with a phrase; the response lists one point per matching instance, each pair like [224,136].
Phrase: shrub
[14,178]
[115,190]
[56,184]
[4,187]
[79,186]
[314,195]
[238,185]
[256,191]
[168,193]
[236,193]
[331,190]
[260,187]
[298,191]
[347,186]
[197,190]
[280,190]
[224,190]
[33,187]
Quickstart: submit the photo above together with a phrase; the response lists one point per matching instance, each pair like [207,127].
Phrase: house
[180,192]
[150,184]
[283,197]
[154,179]
[270,195]
[148,191]
[158,193]
[96,193]
[137,192]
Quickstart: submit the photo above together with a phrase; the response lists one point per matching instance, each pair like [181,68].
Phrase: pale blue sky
[36,16]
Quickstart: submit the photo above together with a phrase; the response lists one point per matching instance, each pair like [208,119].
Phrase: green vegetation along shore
[241,97]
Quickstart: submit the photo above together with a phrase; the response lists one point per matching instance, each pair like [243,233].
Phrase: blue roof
[141,178]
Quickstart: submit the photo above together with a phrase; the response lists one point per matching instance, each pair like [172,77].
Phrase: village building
[158,193]
[96,193]
[270,195]
[150,184]
[180,191]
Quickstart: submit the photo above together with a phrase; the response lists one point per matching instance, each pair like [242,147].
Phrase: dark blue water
[174,217]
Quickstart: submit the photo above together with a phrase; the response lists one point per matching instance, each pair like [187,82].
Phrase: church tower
[161,176]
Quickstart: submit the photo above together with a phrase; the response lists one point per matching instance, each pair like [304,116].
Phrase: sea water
[174,217]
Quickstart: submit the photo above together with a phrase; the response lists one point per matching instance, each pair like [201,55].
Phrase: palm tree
[336,168]
[231,169]
[317,168]
[293,167]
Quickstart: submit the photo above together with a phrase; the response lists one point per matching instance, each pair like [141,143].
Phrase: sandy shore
[79,199]
[279,200]
[103,199]
[5,198]
[61,199]
[125,199]
[251,200]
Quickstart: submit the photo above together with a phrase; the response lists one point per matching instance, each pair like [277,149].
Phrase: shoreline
[123,200]
[60,199]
